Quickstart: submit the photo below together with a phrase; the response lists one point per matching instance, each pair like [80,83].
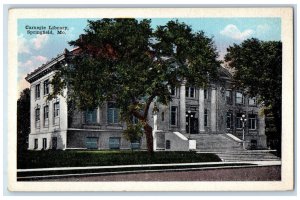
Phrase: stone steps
[228,149]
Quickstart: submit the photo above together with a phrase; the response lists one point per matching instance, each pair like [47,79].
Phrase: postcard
[150,99]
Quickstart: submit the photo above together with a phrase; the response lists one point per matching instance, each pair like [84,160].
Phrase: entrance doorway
[191,123]
[54,143]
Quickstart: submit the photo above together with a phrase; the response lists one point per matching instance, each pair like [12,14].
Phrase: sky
[36,49]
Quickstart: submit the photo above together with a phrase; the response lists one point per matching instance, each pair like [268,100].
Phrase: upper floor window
[56,109]
[37,114]
[91,116]
[174,92]
[190,92]
[37,117]
[37,91]
[46,116]
[238,121]
[228,96]
[173,115]
[229,120]
[252,101]
[239,98]
[46,87]
[56,120]
[46,112]
[112,113]
[252,121]
[162,116]
[134,119]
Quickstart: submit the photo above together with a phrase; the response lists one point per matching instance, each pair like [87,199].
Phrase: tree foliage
[23,120]
[126,61]
[258,68]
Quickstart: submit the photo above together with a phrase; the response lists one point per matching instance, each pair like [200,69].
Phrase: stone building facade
[192,112]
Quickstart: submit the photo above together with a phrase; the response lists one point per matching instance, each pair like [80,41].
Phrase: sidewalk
[258,163]
[61,172]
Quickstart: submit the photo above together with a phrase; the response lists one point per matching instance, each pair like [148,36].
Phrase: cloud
[233,32]
[32,63]
[40,58]
[39,41]
[262,29]
[23,45]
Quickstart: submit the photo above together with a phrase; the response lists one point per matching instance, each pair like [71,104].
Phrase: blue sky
[34,50]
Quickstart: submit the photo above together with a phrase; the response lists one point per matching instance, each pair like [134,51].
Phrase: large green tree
[126,61]
[258,68]
[23,120]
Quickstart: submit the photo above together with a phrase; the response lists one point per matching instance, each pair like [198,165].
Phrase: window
[44,143]
[91,116]
[252,121]
[239,98]
[173,115]
[229,120]
[168,144]
[252,101]
[37,117]
[37,114]
[56,113]
[173,91]
[205,94]
[238,122]
[162,116]
[112,113]
[56,109]
[46,87]
[46,115]
[228,96]
[91,143]
[36,142]
[205,117]
[114,142]
[37,91]
[134,119]
[190,92]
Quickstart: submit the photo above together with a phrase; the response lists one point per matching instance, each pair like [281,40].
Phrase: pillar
[182,109]
[213,110]
[201,111]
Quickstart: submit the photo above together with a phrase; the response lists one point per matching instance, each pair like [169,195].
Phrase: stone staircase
[230,150]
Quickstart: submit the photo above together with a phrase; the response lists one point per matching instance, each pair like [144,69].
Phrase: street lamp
[189,115]
[243,119]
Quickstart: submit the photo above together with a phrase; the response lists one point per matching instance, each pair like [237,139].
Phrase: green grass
[76,158]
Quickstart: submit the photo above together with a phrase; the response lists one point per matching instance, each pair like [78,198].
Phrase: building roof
[225,71]
[48,66]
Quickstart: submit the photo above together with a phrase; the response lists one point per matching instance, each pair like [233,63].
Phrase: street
[265,173]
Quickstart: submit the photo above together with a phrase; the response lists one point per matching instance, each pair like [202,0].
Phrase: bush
[73,158]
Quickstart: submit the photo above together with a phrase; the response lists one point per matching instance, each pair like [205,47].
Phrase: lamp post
[189,115]
[154,113]
[243,119]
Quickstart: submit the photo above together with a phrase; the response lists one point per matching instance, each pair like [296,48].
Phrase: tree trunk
[148,131]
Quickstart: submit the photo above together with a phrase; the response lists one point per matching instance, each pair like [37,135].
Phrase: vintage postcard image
[148,99]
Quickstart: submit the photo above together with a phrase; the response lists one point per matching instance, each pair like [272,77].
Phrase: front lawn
[81,158]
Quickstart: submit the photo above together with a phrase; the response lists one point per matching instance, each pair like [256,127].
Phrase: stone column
[182,109]
[154,132]
[98,115]
[261,124]
[201,111]
[213,110]
[262,138]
